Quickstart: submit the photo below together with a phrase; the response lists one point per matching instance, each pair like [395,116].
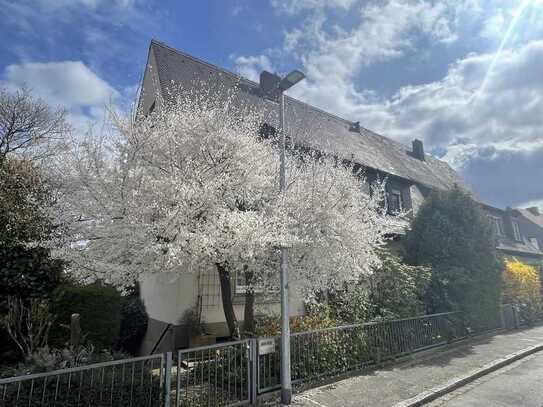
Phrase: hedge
[134,321]
[100,310]
[28,272]
[24,273]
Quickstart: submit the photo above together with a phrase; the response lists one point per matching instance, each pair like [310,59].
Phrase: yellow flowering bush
[522,287]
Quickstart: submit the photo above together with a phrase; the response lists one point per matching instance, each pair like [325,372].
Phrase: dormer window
[394,201]
[516,230]
[497,224]
[534,242]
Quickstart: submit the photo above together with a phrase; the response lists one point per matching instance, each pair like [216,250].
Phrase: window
[497,224]
[394,201]
[516,230]
[241,286]
[534,242]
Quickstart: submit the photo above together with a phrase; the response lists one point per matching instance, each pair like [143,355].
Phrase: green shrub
[397,289]
[100,310]
[28,272]
[25,273]
[134,321]
[452,234]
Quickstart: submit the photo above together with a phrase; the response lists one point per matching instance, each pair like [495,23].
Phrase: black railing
[333,351]
[234,373]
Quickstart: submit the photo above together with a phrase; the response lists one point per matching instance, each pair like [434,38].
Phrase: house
[519,233]
[411,175]
[531,225]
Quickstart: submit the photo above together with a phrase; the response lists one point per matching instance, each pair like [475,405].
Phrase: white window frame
[497,222]
[534,242]
[516,230]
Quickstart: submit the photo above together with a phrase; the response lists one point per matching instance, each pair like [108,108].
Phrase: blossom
[192,185]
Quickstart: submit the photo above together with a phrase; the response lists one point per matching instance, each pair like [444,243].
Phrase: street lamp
[271,84]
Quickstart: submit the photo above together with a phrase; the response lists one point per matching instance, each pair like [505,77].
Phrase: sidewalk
[388,386]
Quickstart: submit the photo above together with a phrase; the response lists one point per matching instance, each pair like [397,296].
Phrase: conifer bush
[453,236]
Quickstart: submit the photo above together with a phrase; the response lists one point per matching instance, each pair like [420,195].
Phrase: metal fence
[217,375]
[329,352]
[233,373]
[128,382]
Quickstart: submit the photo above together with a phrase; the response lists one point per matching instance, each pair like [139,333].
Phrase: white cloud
[333,60]
[250,67]
[530,204]
[53,5]
[493,136]
[296,6]
[68,83]
[495,25]
[494,140]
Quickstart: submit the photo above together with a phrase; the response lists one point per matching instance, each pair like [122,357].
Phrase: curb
[458,382]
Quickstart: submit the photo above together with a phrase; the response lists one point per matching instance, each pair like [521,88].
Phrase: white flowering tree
[192,186]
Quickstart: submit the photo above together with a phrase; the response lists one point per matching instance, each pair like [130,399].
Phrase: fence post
[516,316]
[167,379]
[253,367]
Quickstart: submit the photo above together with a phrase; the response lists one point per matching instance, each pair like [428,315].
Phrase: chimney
[534,210]
[418,149]
[355,126]
[269,84]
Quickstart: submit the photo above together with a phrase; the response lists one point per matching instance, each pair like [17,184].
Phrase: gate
[217,375]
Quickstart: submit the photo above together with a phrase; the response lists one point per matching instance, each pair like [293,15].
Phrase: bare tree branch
[27,124]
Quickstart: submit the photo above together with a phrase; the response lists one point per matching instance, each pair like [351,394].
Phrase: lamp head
[291,79]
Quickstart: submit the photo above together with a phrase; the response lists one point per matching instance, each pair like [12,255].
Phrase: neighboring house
[517,236]
[411,176]
[530,221]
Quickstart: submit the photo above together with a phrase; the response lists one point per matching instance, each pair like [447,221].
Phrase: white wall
[168,295]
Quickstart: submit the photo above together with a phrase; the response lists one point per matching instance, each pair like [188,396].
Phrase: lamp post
[271,84]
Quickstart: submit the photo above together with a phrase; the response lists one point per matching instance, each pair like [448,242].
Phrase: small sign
[266,346]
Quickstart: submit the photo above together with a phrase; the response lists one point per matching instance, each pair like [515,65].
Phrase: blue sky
[466,76]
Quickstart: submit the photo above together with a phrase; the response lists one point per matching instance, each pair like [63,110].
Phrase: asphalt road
[517,385]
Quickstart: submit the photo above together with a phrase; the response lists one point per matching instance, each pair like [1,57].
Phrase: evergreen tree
[451,234]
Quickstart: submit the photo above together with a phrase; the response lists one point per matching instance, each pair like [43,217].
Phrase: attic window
[534,242]
[516,230]
[497,224]
[394,201]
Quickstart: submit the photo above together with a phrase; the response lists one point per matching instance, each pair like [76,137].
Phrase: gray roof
[532,217]
[307,125]
[512,246]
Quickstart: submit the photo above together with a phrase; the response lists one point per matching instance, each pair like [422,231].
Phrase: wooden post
[75,331]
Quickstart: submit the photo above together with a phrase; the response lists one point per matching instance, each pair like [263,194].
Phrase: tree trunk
[249,311]
[226,295]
